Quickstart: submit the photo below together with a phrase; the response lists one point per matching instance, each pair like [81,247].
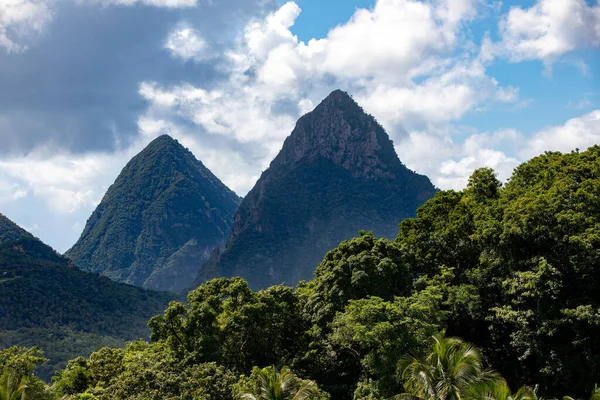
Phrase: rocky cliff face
[336,174]
[159,221]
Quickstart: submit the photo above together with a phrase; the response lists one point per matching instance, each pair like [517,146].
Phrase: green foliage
[63,310]
[357,268]
[227,322]
[452,370]
[50,292]
[530,250]
[379,333]
[17,381]
[9,231]
[159,221]
[501,391]
[59,344]
[142,371]
[270,384]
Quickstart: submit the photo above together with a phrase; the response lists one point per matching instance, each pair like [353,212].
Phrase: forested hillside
[48,302]
[511,269]
[159,221]
[10,231]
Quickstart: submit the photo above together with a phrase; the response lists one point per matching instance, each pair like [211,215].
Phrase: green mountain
[49,303]
[159,221]
[10,231]
[336,174]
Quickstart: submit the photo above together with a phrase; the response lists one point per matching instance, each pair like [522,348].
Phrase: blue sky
[457,84]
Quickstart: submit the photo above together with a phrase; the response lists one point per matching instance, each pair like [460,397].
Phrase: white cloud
[449,163]
[187,44]
[580,132]
[549,29]
[66,182]
[19,19]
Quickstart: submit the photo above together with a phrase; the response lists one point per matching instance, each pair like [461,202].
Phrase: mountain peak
[338,99]
[159,221]
[163,140]
[336,174]
[339,130]
[164,145]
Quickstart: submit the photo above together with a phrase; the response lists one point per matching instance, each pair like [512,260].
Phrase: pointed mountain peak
[338,99]
[339,130]
[159,221]
[163,144]
[336,174]
[163,140]
[10,231]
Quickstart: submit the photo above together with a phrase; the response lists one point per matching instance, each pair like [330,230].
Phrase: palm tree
[280,385]
[453,370]
[12,388]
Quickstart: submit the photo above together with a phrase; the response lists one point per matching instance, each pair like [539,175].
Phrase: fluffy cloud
[20,19]
[67,182]
[449,163]
[549,29]
[186,43]
[580,132]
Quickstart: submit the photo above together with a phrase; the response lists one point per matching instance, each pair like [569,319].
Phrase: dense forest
[48,302]
[511,270]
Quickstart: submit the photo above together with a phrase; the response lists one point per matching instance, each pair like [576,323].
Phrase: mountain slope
[159,221]
[49,303]
[336,174]
[10,231]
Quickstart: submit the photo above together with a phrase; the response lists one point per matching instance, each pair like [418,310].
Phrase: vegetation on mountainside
[159,221]
[9,231]
[59,344]
[512,270]
[64,311]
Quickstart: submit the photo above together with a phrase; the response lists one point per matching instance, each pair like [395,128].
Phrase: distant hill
[69,311]
[336,174]
[159,221]
[10,231]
